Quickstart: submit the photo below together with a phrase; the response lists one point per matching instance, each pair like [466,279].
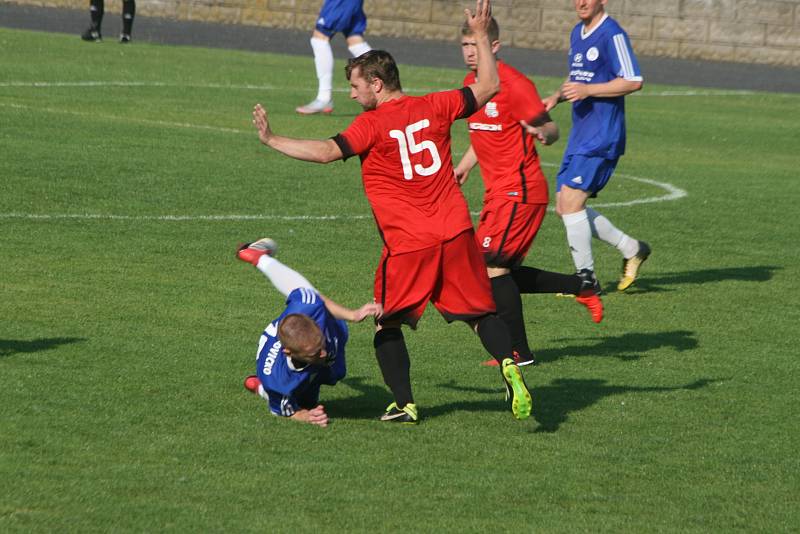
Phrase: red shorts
[506,231]
[452,275]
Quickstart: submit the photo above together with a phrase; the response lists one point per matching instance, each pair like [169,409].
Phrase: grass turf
[128,326]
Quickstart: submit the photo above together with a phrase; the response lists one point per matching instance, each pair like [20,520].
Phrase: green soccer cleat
[630,267]
[516,390]
[406,415]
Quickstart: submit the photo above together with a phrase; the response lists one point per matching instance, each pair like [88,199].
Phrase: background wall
[749,31]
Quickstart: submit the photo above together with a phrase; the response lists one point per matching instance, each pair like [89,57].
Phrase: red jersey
[506,154]
[407,168]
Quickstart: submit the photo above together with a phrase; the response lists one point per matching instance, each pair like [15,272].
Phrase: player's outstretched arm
[314,416]
[314,150]
[487,82]
[370,309]
[467,163]
[575,91]
[555,99]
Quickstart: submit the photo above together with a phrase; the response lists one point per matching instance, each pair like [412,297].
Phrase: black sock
[493,333]
[392,355]
[128,12]
[509,309]
[533,280]
[96,9]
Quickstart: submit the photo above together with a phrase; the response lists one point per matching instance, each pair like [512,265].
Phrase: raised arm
[314,150]
[487,81]
[355,316]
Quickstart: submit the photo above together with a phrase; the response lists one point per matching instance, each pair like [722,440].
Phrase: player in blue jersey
[603,69]
[304,347]
[336,16]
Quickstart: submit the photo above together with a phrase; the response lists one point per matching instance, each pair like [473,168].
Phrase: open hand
[261,122]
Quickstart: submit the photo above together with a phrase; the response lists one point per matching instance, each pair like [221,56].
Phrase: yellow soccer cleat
[630,267]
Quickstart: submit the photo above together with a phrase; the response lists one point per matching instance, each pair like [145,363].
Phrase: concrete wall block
[637,26]
[784,36]
[558,22]
[767,55]
[708,9]
[411,10]
[524,17]
[764,11]
[656,48]
[736,33]
[714,52]
[384,27]
[664,8]
[693,29]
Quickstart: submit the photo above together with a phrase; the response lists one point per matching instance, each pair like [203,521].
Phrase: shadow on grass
[9,347]
[758,273]
[370,402]
[553,403]
[627,347]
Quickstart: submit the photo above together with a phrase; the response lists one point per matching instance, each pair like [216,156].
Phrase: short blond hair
[299,333]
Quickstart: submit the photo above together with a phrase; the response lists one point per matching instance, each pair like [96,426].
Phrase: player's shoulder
[303,296]
[611,26]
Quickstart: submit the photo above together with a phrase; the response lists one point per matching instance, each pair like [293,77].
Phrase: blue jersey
[287,387]
[602,55]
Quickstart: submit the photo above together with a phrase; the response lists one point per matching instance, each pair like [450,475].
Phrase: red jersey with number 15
[506,154]
[407,168]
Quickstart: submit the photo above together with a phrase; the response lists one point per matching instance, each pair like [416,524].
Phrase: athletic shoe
[516,390]
[124,38]
[251,384]
[521,361]
[589,294]
[316,106]
[92,35]
[407,415]
[630,267]
[252,252]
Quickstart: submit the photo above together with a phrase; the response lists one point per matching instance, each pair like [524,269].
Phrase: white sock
[359,48]
[285,279]
[603,229]
[323,60]
[579,237]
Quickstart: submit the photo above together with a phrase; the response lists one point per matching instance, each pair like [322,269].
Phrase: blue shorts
[342,16]
[588,173]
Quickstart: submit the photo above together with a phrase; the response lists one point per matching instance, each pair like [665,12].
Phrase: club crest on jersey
[491,110]
[592,54]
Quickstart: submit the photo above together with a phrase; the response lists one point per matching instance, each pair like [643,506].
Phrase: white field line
[673,193]
[267,87]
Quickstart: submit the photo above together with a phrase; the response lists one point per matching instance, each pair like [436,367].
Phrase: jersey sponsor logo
[491,110]
[578,58]
[592,54]
[485,127]
[577,180]
[513,193]
[273,354]
[578,75]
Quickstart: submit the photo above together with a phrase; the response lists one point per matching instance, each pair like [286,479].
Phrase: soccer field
[129,174]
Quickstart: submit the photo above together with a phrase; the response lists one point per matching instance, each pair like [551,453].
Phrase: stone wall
[749,31]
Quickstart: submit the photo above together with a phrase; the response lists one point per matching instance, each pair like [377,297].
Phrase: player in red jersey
[515,192]
[430,252]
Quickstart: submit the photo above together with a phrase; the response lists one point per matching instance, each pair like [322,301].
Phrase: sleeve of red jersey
[527,104]
[358,138]
[455,104]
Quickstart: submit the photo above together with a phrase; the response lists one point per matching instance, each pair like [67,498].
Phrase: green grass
[124,341]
